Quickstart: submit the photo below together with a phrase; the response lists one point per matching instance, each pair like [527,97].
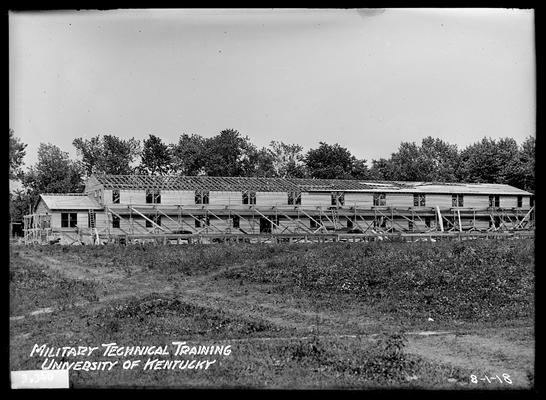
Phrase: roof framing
[237,184]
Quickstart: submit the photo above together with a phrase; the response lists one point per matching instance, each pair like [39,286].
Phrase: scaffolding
[204,223]
[130,223]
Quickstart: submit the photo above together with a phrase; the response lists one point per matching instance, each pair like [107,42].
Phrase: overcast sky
[367,80]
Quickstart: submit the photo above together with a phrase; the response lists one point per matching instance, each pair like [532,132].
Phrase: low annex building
[140,206]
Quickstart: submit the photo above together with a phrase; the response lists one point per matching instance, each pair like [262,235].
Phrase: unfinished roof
[237,184]
[69,201]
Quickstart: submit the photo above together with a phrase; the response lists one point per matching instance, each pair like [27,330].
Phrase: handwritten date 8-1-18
[492,379]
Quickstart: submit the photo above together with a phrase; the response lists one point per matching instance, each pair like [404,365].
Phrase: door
[265,225]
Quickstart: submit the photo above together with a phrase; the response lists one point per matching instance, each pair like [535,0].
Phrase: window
[155,218]
[494,200]
[428,221]
[91,219]
[532,201]
[419,200]
[338,199]
[249,197]
[202,196]
[294,198]
[235,221]
[313,223]
[69,220]
[115,196]
[153,196]
[379,199]
[201,221]
[457,200]
[115,221]
[520,201]
[349,223]
[410,225]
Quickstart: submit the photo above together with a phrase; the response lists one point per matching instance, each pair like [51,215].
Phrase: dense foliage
[229,153]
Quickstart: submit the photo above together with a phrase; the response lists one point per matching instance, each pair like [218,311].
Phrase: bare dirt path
[488,355]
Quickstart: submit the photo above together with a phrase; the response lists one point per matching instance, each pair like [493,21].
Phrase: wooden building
[140,206]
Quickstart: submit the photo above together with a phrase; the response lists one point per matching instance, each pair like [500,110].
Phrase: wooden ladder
[92,219]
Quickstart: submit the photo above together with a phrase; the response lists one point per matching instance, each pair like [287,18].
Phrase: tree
[288,160]
[53,173]
[434,160]
[437,161]
[261,163]
[91,151]
[383,170]
[16,155]
[360,170]
[489,161]
[156,157]
[20,203]
[107,155]
[527,161]
[405,164]
[229,154]
[333,162]
[188,155]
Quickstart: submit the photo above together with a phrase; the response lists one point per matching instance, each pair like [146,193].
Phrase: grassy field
[445,315]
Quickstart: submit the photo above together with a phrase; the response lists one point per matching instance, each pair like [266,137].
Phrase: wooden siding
[312,199]
[316,199]
[41,208]
[359,200]
[107,193]
[81,221]
[55,219]
[176,197]
[100,195]
[225,198]
[131,197]
[92,184]
[440,200]
[271,199]
[399,199]
[508,201]
[476,201]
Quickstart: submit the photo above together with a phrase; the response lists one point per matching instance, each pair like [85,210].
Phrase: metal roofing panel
[70,202]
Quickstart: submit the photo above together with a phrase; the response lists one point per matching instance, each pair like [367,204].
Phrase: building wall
[130,197]
[315,199]
[508,201]
[440,200]
[310,199]
[359,200]
[176,197]
[476,201]
[225,198]
[82,218]
[399,199]
[271,199]
[41,208]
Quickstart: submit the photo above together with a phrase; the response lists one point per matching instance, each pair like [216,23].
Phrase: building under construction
[182,209]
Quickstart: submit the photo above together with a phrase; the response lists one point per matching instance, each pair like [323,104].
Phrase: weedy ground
[339,315]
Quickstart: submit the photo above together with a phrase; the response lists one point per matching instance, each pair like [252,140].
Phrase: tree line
[229,153]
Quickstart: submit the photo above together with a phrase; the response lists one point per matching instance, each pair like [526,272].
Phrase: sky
[366,79]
